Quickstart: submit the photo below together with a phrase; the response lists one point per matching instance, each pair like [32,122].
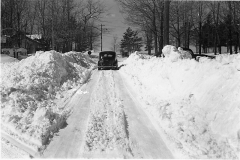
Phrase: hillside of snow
[197,104]
[30,90]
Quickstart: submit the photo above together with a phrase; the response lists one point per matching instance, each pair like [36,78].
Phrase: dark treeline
[63,24]
[209,24]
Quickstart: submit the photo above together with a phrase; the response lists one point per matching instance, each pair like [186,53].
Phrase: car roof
[108,52]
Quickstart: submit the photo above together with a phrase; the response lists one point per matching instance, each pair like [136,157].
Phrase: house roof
[26,37]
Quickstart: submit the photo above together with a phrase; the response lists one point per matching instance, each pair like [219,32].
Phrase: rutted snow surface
[196,103]
[107,123]
[107,130]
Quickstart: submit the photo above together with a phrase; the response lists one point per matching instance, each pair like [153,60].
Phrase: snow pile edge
[29,89]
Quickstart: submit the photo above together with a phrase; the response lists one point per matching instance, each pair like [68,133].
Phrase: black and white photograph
[120,79]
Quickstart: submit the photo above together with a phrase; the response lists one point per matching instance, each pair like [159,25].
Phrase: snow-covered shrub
[184,54]
[171,53]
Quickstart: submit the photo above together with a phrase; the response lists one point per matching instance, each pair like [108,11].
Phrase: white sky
[114,21]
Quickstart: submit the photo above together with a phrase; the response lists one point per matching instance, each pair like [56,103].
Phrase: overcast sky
[114,21]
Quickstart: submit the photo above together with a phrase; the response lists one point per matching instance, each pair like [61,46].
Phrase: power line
[117,26]
[108,36]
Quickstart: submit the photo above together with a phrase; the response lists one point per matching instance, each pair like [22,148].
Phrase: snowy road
[107,122]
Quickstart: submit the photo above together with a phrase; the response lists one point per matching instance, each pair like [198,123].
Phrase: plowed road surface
[107,122]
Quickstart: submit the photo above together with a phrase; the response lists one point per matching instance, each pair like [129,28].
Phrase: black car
[107,60]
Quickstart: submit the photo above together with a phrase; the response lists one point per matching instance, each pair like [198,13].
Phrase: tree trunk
[230,27]
[196,45]
[238,41]
[188,36]
[149,41]
[185,34]
[155,45]
[166,22]
[185,27]
[19,34]
[215,43]
[217,33]
[220,49]
[178,30]
[53,41]
[155,31]
[200,38]
[161,33]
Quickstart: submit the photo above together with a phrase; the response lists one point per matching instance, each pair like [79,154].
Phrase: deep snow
[31,90]
[196,103]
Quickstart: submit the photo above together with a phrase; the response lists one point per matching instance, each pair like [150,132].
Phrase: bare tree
[175,18]
[13,13]
[233,15]
[166,22]
[115,44]
[42,20]
[198,17]
[236,23]
[145,14]
[215,10]
[60,22]
[89,13]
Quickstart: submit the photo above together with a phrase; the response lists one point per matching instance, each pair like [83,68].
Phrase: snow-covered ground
[33,92]
[6,59]
[10,151]
[197,104]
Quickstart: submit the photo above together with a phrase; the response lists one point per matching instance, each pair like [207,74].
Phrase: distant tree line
[63,24]
[204,24]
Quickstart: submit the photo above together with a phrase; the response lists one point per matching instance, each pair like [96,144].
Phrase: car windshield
[107,55]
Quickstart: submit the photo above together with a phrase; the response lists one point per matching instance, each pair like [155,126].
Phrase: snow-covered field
[197,104]
[33,92]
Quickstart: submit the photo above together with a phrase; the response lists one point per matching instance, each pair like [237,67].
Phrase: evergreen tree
[131,42]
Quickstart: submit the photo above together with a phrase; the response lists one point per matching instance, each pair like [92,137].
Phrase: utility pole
[101,37]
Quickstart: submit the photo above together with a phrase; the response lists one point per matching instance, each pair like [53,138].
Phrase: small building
[20,41]
[31,45]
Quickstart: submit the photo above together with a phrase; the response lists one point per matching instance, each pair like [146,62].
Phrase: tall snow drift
[196,103]
[173,54]
[29,88]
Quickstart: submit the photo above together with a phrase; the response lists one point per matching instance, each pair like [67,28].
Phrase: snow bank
[173,54]
[29,89]
[196,103]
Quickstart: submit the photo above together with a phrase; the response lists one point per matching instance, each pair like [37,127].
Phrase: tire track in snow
[145,140]
[107,134]
[68,142]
